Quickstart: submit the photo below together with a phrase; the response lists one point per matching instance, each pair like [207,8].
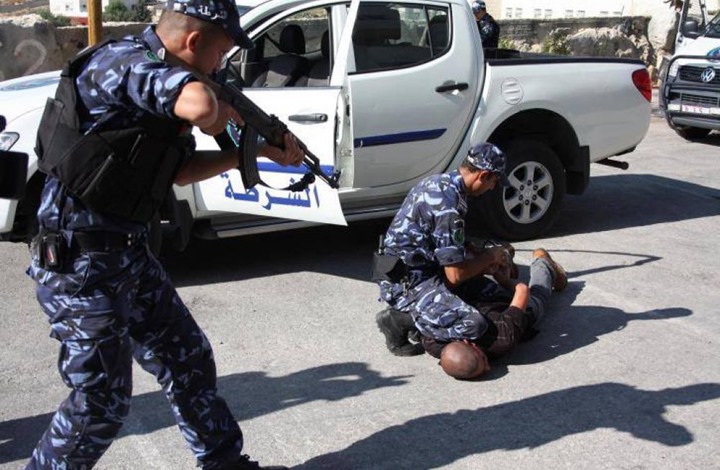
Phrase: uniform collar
[151,39]
[459,182]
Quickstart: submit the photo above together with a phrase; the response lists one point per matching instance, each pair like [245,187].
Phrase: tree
[54,19]
[117,11]
[141,14]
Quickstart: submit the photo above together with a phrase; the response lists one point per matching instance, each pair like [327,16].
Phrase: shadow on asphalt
[614,202]
[526,423]
[611,203]
[248,394]
[440,439]
[339,251]
[567,328]
[712,139]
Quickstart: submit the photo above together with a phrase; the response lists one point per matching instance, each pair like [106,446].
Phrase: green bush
[556,44]
[505,43]
[54,19]
[117,11]
[141,14]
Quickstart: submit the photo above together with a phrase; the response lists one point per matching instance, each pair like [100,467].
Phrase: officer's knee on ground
[463,361]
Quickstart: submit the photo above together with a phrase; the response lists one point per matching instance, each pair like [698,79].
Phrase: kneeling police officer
[113,141]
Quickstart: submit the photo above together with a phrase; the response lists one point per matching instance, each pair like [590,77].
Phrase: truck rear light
[641,80]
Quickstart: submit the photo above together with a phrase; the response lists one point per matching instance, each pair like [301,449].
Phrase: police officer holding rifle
[113,141]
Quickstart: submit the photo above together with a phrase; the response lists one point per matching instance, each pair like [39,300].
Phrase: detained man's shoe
[561,279]
[510,250]
[396,326]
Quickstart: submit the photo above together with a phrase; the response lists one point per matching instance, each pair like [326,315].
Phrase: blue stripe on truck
[300,170]
[400,138]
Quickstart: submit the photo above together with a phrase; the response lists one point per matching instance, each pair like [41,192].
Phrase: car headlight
[672,73]
[8,139]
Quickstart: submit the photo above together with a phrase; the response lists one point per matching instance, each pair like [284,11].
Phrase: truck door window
[695,13]
[286,52]
[398,35]
[713,28]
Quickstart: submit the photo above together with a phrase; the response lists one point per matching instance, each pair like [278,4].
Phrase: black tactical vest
[124,172]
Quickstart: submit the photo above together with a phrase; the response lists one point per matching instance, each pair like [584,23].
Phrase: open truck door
[317,115]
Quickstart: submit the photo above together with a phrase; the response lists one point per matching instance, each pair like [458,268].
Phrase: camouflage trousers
[447,314]
[107,309]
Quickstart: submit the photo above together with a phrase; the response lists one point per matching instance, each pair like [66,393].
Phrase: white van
[690,94]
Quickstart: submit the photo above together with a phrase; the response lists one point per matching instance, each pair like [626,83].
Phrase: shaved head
[173,26]
[463,361]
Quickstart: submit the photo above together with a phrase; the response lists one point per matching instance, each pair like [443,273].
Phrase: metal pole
[94,21]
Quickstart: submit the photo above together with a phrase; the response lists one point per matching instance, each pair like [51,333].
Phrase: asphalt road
[624,374]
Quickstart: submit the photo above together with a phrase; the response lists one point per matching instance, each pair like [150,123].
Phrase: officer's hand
[498,255]
[502,275]
[292,155]
[225,113]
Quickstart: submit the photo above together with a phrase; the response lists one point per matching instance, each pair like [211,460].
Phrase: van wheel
[692,133]
[531,204]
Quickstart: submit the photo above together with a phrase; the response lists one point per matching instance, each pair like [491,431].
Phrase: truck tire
[531,204]
[692,133]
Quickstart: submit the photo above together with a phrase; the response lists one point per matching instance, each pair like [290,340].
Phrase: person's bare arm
[521,296]
[208,163]
[198,105]
[479,264]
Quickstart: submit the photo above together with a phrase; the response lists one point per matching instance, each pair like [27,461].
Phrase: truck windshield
[713,28]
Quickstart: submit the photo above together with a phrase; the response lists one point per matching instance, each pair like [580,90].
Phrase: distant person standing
[487,26]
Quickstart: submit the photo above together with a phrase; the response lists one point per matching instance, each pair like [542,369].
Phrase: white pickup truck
[690,95]
[387,93]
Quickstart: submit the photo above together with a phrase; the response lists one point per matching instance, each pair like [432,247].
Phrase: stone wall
[29,44]
[613,37]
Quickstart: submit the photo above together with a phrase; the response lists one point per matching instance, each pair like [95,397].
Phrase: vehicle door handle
[452,87]
[316,117]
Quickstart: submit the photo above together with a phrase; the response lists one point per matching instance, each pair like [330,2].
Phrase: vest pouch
[133,180]
[388,268]
[54,136]
[155,163]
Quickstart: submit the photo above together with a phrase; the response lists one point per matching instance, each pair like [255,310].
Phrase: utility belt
[53,250]
[391,268]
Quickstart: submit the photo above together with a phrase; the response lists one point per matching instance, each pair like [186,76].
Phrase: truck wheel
[531,204]
[692,133]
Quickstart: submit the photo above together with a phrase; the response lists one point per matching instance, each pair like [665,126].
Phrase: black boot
[396,326]
[244,464]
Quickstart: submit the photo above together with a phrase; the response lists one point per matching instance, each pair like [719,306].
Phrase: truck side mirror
[13,171]
[691,29]
[13,174]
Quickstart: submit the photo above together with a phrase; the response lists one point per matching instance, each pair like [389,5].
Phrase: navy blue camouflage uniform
[489,31]
[107,307]
[427,233]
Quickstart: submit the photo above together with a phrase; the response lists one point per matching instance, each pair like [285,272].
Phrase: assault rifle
[257,122]
[270,128]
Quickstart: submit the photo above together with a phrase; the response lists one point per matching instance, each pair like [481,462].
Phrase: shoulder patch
[458,232]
